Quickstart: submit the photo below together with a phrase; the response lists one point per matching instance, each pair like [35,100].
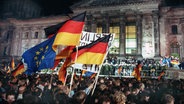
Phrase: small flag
[12,63]
[63,69]
[161,74]
[136,73]
[119,70]
[18,70]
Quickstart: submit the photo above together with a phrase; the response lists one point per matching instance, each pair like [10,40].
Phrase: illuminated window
[130,43]
[99,29]
[115,45]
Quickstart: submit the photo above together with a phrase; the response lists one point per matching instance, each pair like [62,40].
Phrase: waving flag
[18,70]
[40,57]
[12,63]
[137,72]
[52,30]
[92,53]
[62,70]
[70,32]
[161,74]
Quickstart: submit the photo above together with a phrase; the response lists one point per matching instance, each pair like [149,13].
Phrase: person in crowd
[119,98]
[79,97]
[167,99]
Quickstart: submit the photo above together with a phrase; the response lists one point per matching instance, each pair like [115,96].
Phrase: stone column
[11,39]
[88,22]
[139,35]
[93,25]
[105,23]
[122,36]
[156,34]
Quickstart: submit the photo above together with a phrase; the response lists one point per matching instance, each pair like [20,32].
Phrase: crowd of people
[47,89]
[150,67]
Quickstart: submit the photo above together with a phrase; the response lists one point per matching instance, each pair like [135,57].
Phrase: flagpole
[71,81]
[51,78]
[96,79]
[65,78]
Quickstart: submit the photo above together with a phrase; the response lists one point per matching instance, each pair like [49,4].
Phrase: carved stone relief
[147,40]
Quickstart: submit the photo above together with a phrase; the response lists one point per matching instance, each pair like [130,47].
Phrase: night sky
[49,7]
[54,7]
[62,7]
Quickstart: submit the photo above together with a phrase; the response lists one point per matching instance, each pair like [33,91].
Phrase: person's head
[61,98]
[119,97]
[10,97]
[31,99]
[104,100]
[145,96]
[167,99]
[79,97]
[21,82]
[59,84]
[141,86]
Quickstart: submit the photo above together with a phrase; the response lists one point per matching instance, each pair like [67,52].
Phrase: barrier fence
[147,72]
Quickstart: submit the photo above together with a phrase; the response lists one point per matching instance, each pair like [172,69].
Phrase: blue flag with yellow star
[40,56]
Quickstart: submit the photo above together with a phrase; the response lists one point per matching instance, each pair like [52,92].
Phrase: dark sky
[61,7]
[55,6]
[49,7]
[174,2]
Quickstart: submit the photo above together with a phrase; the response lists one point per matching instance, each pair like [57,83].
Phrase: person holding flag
[137,71]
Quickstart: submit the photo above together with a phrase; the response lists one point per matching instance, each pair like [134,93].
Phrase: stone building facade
[157,28]
[143,28]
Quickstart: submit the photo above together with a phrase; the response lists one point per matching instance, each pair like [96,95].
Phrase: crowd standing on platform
[47,89]
[150,67]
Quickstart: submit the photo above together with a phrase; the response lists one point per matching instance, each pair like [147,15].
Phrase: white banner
[92,68]
[86,38]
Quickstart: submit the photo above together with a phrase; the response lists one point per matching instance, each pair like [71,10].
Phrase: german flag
[92,53]
[19,70]
[62,70]
[136,73]
[52,30]
[119,70]
[70,32]
[161,74]
[12,63]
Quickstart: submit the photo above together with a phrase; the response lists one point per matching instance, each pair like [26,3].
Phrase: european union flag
[40,56]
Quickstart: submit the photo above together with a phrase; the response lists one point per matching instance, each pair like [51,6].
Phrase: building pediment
[116,5]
